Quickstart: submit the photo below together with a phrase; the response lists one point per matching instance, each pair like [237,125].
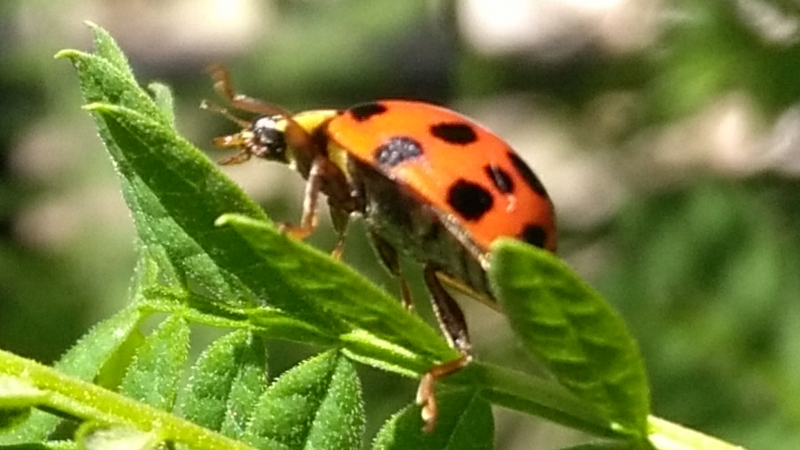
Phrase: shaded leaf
[106,47]
[573,331]
[317,404]
[156,370]
[465,423]
[340,292]
[11,417]
[225,383]
[83,361]
[162,96]
[92,436]
[173,191]
[17,398]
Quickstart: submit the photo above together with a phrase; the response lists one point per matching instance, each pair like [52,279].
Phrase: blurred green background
[667,132]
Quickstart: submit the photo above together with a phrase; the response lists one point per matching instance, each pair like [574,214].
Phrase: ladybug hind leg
[388,255]
[341,219]
[454,326]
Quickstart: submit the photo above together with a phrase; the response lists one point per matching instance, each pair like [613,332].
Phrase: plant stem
[666,435]
[91,402]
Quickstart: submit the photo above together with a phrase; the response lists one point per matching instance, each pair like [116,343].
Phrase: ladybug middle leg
[454,326]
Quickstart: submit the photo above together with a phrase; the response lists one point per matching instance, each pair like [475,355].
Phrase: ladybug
[429,183]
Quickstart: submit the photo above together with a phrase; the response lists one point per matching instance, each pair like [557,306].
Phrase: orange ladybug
[429,182]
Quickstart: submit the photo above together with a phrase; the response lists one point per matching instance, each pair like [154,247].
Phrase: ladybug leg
[295,135]
[308,221]
[341,219]
[224,87]
[324,176]
[454,326]
[388,255]
[448,313]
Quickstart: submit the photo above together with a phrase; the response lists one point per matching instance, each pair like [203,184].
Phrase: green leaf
[103,81]
[173,191]
[163,99]
[83,361]
[574,332]
[317,404]
[114,370]
[225,384]
[465,423]
[16,393]
[10,417]
[93,436]
[340,292]
[610,446]
[106,48]
[156,370]
[49,445]
[179,196]
[16,398]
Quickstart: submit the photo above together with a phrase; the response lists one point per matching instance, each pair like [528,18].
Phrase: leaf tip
[94,107]
[240,220]
[499,243]
[67,53]
[224,220]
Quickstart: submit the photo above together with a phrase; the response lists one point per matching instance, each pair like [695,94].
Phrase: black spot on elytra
[457,133]
[365,111]
[527,174]
[396,151]
[470,200]
[500,178]
[534,235]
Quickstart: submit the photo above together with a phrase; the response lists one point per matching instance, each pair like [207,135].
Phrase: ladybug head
[264,137]
[267,138]
[273,135]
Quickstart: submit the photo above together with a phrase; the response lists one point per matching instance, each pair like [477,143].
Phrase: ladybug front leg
[324,176]
[454,326]
[224,87]
[296,136]
[308,221]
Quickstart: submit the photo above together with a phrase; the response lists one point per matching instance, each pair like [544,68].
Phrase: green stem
[92,402]
[535,396]
[666,435]
[519,392]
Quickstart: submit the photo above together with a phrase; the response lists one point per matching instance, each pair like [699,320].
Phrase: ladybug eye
[270,140]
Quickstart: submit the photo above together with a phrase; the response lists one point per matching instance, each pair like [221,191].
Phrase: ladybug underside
[397,218]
